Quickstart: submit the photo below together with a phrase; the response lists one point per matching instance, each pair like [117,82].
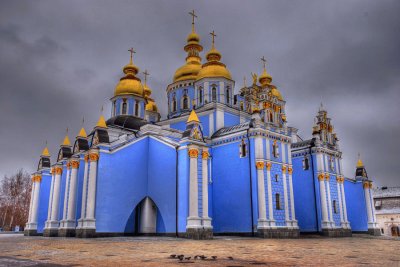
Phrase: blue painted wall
[356,209]
[45,186]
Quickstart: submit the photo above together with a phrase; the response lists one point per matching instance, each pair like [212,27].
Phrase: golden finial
[45,151]
[132,52]
[193,117]
[360,164]
[101,122]
[264,61]
[82,132]
[66,141]
[145,73]
[213,37]
[193,16]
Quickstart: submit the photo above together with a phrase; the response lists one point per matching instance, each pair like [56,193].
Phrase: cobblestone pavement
[17,250]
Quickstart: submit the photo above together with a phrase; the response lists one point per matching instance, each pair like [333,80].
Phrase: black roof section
[127,122]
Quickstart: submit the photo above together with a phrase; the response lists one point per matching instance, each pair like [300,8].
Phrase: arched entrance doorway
[146,217]
[395,230]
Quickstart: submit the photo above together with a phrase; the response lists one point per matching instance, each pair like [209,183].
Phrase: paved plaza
[360,250]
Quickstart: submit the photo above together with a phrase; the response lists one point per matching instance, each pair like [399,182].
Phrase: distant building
[387,206]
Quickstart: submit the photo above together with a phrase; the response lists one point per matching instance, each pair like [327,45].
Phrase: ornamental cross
[213,36]
[193,16]
[132,52]
[264,61]
[145,75]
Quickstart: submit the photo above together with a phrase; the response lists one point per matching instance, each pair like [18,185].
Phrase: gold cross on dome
[193,16]
[264,61]
[132,52]
[145,75]
[213,36]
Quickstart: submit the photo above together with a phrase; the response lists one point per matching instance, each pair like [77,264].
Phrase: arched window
[306,164]
[185,102]
[278,201]
[124,107]
[214,93]
[174,104]
[243,149]
[136,108]
[334,206]
[271,117]
[227,96]
[275,149]
[200,95]
[115,108]
[276,177]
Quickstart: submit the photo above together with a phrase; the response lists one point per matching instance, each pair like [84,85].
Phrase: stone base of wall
[339,232]
[66,232]
[85,233]
[31,233]
[278,233]
[374,231]
[50,232]
[199,233]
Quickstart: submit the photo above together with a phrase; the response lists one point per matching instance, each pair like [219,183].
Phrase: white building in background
[387,206]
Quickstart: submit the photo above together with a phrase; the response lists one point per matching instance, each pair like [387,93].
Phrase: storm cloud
[60,61]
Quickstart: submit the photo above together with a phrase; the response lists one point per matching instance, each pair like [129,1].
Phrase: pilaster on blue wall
[81,172]
[356,209]
[231,210]
[183,189]
[62,191]
[43,200]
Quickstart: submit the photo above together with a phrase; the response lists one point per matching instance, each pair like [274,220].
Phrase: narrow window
[136,108]
[278,201]
[306,164]
[185,102]
[334,206]
[200,95]
[275,150]
[243,149]
[227,96]
[115,108]
[271,118]
[174,104]
[214,94]
[124,107]
[276,177]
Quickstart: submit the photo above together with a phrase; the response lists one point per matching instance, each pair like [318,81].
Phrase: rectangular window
[278,201]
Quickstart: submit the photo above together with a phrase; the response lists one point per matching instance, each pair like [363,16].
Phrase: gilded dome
[193,37]
[213,67]
[188,71]
[129,84]
[275,92]
[151,105]
[147,90]
[265,78]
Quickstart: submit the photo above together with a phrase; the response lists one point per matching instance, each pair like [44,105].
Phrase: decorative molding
[321,177]
[37,178]
[259,165]
[290,170]
[327,176]
[205,154]
[283,168]
[193,152]
[268,165]
[75,164]
[86,157]
[58,170]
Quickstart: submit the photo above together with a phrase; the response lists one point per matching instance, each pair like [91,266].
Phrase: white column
[84,190]
[292,210]
[66,194]
[219,118]
[270,204]
[339,191]
[344,204]
[366,186]
[31,201]
[328,189]
[51,195]
[204,175]
[211,123]
[193,221]
[53,223]
[325,220]
[36,196]
[285,195]
[71,211]
[90,221]
[259,155]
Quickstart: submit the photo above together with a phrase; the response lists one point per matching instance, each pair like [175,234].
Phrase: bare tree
[14,199]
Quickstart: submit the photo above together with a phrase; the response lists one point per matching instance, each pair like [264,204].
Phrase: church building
[220,163]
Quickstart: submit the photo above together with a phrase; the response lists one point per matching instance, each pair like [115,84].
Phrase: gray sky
[60,61]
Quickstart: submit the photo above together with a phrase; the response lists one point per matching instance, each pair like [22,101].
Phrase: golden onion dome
[213,67]
[193,37]
[151,105]
[265,78]
[147,90]
[275,92]
[129,84]
[188,71]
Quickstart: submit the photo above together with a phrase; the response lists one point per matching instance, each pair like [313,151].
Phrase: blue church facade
[219,163]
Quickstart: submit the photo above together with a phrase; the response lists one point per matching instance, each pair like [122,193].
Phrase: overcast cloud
[60,61]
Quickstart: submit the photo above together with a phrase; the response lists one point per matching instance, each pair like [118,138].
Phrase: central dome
[213,67]
[129,84]
[188,71]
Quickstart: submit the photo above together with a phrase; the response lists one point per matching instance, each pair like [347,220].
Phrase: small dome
[151,105]
[265,78]
[129,85]
[193,37]
[275,92]
[147,90]
[216,69]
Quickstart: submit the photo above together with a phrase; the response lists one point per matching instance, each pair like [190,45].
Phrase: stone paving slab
[361,250]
